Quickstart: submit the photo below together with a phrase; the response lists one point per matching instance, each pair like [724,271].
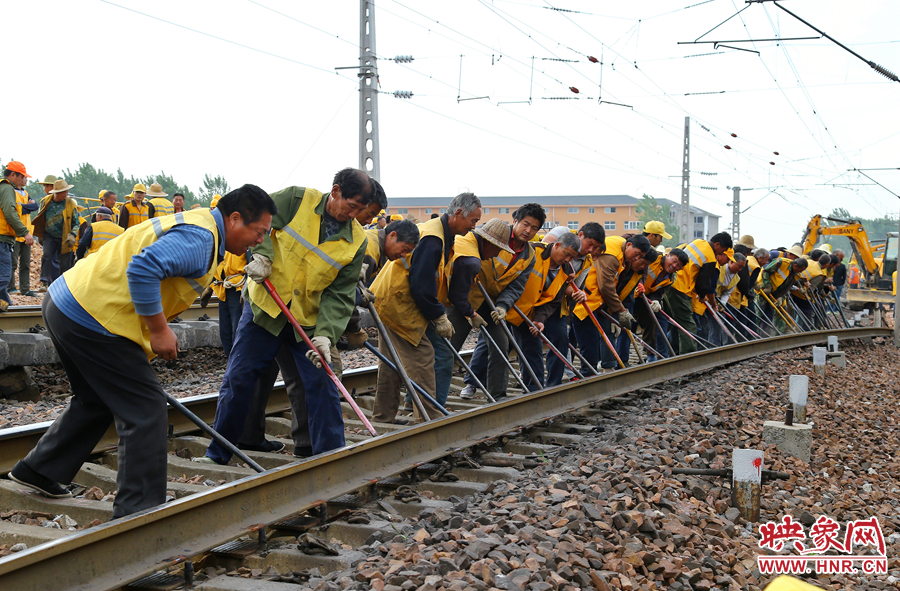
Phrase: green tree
[211,187]
[171,187]
[650,210]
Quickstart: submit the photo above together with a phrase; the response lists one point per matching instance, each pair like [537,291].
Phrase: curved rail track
[112,554]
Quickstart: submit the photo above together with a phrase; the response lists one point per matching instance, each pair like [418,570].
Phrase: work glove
[321,350]
[205,296]
[614,330]
[443,327]
[367,296]
[625,318]
[476,321]
[259,268]
[767,290]
[655,306]
[71,239]
[499,315]
[357,340]
[363,270]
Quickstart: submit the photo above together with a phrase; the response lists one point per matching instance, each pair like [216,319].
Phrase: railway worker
[313,257]
[657,279]
[396,240]
[626,284]
[839,276]
[161,205]
[14,180]
[228,283]
[853,276]
[504,277]
[410,292]
[777,279]
[178,202]
[143,278]
[21,253]
[136,209]
[728,297]
[383,220]
[811,278]
[655,232]
[544,301]
[379,202]
[98,233]
[56,226]
[107,200]
[601,289]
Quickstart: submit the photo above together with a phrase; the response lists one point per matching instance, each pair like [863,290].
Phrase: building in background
[617,213]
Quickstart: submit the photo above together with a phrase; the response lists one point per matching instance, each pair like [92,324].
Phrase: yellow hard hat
[102,193]
[396,217]
[139,187]
[215,200]
[826,247]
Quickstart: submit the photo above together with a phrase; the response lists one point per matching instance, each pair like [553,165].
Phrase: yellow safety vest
[5,228]
[735,298]
[373,248]
[534,294]
[629,287]
[394,301]
[231,269]
[653,272]
[162,206]
[21,199]
[615,246]
[699,253]
[137,214]
[753,265]
[100,283]
[103,232]
[303,268]
[496,274]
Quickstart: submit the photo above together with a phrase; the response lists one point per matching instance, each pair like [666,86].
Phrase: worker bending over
[98,233]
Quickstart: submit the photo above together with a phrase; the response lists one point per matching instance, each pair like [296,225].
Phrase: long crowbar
[547,341]
[658,325]
[702,342]
[468,369]
[599,328]
[417,387]
[633,337]
[509,335]
[719,321]
[284,309]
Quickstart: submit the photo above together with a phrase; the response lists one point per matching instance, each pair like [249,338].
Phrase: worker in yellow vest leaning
[21,254]
[56,226]
[98,234]
[777,279]
[14,179]
[136,209]
[313,258]
[657,280]
[394,241]
[115,304]
[728,299]
[161,205]
[505,277]
[697,281]
[228,283]
[409,298]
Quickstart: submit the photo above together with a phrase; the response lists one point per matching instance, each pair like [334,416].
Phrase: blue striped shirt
[184,251]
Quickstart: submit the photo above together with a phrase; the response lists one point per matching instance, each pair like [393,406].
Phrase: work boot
[29,294]
[468,392]
[24,475]
[43,288]
[4,305]
[268,445]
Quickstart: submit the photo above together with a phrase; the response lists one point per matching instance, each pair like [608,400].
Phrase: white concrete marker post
[746,487]
[819,360]
[799,392]
[832,344]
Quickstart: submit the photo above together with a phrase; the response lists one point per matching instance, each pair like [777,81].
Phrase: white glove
[443,327]
[476,321]
[321,351]
[259,268]
[625,319]
[499,315]
[362,271]
[614,330]
[71,239]
[655,306]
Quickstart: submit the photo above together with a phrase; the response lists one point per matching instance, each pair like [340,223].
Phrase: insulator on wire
[710,188]
[772,163]
[403,59]
[884,72]
[733,135]
[776,153]
[727,147]
[403,94]
[592,59]
[573,89]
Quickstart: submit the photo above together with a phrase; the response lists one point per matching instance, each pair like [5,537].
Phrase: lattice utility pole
[736,214]
[369,159]
[685,213]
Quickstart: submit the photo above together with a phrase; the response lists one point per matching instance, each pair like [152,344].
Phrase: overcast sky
[249,90]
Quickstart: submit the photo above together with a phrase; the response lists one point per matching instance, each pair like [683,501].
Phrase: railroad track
[28,318]
[111,555]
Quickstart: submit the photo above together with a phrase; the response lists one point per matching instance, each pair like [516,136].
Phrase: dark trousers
[253,351]
[21,260]
[555,329]
[51,246]
[805,308]
[642,315]
[607,359]
[6,250]
[255,425]
[589,340]
[497,371]
[533,349]
[678,306]
[229,317]
[126,392]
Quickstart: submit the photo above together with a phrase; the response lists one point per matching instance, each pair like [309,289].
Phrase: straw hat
[49,179]
[61,185]
[156,191]
[496,231]
[795,250]
[747,240]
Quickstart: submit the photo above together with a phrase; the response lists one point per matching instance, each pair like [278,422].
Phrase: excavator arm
[859,241]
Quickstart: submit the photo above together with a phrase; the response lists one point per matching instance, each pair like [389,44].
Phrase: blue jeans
[660,341]
[443,365]
[50,258]
[6,250]
[229,317]
[253,351]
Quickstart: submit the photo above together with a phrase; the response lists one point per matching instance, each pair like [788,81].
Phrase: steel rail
[23,318]
[115,553]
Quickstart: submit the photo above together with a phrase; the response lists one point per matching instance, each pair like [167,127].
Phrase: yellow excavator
[877,264]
